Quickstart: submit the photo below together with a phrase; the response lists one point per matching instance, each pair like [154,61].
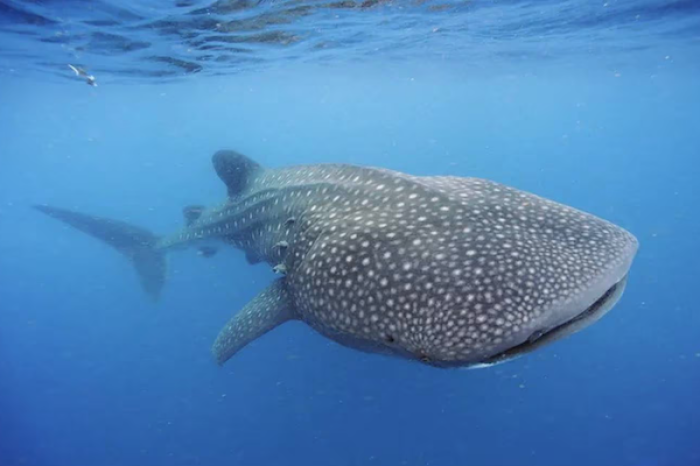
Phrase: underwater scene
[349,233]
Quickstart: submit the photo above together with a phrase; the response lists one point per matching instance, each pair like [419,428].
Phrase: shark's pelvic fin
[270,308]
[137,244]
[235,170]
[252,258]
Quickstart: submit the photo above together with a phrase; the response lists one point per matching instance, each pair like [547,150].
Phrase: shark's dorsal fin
[272,307]
[235,170]
[192,213]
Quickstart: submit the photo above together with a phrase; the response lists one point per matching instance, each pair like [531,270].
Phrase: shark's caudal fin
[266,311]
[137,244]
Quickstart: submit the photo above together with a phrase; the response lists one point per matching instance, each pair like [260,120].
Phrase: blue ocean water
[593,104]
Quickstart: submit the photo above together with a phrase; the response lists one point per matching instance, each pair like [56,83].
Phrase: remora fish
[448,271]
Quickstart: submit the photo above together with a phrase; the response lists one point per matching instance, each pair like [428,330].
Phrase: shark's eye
[389,338]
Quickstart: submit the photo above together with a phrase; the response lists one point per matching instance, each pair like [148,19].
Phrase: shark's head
[515,273]
[558,300]
[467,272]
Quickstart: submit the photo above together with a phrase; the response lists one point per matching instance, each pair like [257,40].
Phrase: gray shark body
[444,270]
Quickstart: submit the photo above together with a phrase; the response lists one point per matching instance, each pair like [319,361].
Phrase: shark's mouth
[540,338]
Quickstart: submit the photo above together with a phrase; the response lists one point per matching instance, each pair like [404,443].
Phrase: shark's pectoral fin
[266,311]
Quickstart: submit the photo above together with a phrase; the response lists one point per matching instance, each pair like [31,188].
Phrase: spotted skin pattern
[448,271]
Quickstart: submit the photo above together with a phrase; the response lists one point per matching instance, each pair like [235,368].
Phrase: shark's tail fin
[137,244]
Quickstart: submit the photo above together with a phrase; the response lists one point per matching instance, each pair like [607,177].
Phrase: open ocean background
[595,104]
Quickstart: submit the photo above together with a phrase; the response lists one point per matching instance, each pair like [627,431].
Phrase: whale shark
[443,270]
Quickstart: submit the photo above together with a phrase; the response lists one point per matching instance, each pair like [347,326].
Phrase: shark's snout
[578,310]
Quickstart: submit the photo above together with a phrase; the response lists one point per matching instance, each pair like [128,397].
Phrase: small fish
[80,72]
